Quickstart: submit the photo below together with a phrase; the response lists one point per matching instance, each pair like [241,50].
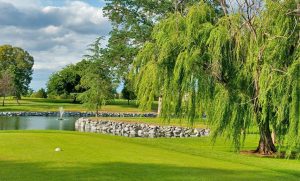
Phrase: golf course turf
[44,105]
[30,155]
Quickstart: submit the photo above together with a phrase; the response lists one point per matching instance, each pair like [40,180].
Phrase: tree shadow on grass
[126,172]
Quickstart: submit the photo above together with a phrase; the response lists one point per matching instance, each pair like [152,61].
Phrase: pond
[37,123]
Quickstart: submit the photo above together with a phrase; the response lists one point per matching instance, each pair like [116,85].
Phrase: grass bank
[41,105]
[29,155]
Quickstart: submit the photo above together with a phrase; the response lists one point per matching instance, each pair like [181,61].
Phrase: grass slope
[38,104]
[29,155]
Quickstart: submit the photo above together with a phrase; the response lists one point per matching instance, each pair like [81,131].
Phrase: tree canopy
[128,91]
[19,63]
[241,69]
[98,80]
[66,82]
[41,93]
[132,23]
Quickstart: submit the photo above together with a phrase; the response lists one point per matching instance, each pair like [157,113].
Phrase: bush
[64,96]
[40,94]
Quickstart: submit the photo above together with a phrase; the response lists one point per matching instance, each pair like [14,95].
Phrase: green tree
[41,93]
[29,92]
[67,81]
[98,89]
[20,63]
[241,69]
[98,80]
[132,23]
[128,91]
[6,84]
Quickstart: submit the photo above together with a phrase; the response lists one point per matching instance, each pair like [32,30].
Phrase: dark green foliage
[238,71]
[40,94]
[66,82]
[19,62]
[133,22]
[128,91]
[29,92]
[98,80]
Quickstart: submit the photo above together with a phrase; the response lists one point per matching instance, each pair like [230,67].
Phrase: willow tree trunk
[159,106]
[266,145]
[97,109]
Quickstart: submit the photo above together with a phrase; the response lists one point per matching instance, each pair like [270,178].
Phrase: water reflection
[37,123]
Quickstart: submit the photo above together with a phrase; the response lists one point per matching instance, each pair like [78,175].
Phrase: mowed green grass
[29,155]
[44,105]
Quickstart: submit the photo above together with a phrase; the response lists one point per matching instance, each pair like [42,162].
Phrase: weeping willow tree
[240,69]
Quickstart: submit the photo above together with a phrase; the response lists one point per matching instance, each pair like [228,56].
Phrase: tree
[133,22]
[240,69]
[6,84]
[40,94]
[98,80]
[98,90]
[128,91]
[29,92]
[67,81]
[20,63]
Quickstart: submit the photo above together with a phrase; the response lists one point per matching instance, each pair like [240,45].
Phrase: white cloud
[24,3]
[54,35]
[51,29]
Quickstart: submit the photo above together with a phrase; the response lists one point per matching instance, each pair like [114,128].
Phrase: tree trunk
[128,101]
[266,145]
[97,111]
[273,137]
[74,99]
[3,100]
[159,105]
[17,98]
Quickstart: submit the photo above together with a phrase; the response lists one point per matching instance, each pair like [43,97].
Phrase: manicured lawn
[29,155]
[36,104]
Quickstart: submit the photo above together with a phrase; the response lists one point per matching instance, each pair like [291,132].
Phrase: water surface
[37,123]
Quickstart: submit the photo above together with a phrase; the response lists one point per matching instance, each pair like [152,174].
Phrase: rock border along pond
[144,130]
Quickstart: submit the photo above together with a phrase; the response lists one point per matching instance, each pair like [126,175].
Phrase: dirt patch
[281,155]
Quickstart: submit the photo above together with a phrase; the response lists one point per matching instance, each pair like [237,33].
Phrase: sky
[55,32]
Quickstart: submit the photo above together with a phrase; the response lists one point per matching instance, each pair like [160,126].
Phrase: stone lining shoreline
[143,130]
[78,114]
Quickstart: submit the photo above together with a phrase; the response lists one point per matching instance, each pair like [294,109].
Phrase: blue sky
[55,32]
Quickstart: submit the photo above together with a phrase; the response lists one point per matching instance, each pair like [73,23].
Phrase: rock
[136,130]
[140,133]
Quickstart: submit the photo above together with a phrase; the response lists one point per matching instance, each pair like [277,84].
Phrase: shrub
[40,94]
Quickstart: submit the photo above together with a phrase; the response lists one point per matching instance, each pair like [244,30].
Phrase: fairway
[29,155]
[45,105]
